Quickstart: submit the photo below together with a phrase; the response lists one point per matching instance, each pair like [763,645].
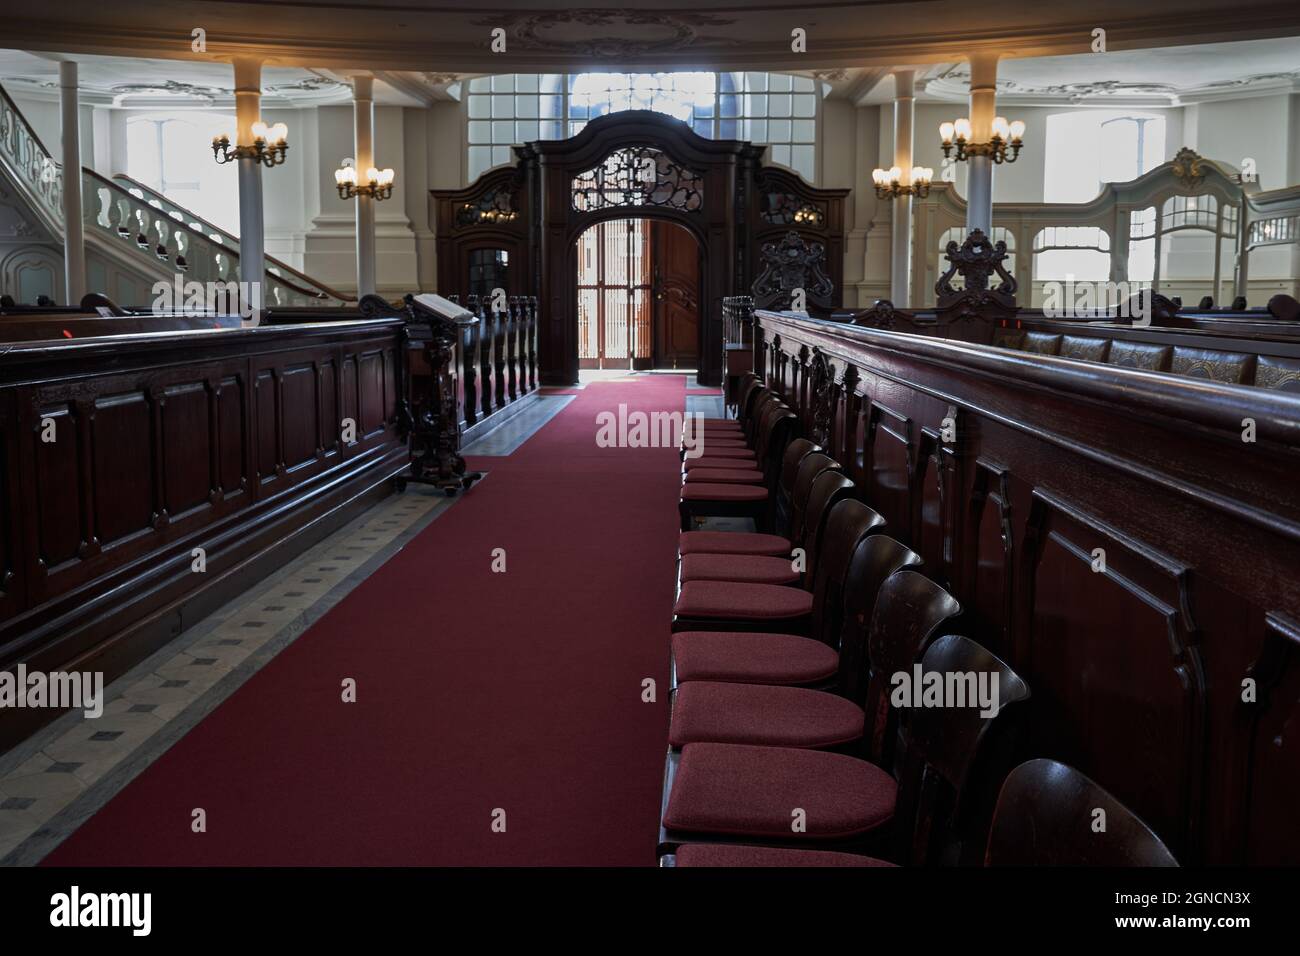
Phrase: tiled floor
[54,780]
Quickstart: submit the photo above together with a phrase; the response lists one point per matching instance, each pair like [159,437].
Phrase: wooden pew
[1113,536]
[233,441]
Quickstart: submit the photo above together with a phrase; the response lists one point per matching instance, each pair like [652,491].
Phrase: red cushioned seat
[710,451]
[715,491]
[743,790]
[729,476]
[732,542]
[738,855]
[742,658]
[729,600]
[750,568]
[762,715]
[714,461]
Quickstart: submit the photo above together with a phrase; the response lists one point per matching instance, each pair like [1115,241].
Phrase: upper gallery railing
[134,217]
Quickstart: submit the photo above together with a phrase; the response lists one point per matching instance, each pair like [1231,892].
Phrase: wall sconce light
[889,182]
[270,143]
[378,185]
[1004,145]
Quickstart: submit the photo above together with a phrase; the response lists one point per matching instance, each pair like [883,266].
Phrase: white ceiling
[1168,76]
[137,82]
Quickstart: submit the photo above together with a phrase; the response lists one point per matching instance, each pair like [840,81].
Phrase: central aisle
[476,691]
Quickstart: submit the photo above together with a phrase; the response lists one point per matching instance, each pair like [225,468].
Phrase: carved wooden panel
[1112,658]
[1273,776]
[370,389]
[298,392]
[62,520]
[232,469]
[266,406]
[991,556]
[187,448]
[9,512]
[931,528]
[889,464]
[124,471]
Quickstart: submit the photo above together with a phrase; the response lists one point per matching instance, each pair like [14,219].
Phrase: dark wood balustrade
[1170,674]
[498,359]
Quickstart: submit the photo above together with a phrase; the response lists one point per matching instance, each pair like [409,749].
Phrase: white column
[900,269]
[363,113]
[74,239]
[252,245]
[983,108]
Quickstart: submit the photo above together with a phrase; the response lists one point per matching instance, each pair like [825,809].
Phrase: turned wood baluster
[469,362]
[485,356]
[499,356]
[521,344]
[532,339]
[512,342]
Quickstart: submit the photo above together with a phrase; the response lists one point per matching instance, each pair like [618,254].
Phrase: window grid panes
[775,109]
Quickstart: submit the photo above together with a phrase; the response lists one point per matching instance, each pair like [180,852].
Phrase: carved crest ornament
[793,263]
[1188,168]
[978,259]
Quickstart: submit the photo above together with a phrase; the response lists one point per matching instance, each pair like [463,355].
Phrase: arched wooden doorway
[638,288]
[760,230]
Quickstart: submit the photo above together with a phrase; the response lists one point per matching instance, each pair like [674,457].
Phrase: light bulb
[388,176]
[279,133]
[962,128]
[372,175]
[895,174]
[1000,128]
[946,131]
[258,130]
[919,174]
[878,176]
[1017,131]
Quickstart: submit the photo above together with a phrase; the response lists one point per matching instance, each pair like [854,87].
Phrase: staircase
[138,227]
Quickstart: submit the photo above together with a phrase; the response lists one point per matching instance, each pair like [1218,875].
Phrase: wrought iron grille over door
[614,289]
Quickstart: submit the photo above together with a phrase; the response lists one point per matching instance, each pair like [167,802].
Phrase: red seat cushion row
[749,791]
[730,476]
[742,658]
[715,461]
[739,855]
[751,568]
[732,542]
[716,491]
[713,451]
[762,715]
[729,600]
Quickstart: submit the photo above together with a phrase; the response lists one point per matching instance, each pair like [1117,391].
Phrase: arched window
[777,109]
[1087,148]
[165,151]
[1072,252]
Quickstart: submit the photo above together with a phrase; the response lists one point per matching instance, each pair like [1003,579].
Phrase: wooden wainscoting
[1136,670]
[237,442]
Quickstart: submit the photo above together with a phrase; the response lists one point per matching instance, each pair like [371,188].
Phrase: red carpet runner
[476,690]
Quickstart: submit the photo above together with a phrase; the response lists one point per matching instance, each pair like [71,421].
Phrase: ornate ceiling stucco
[607,33]
[953,85]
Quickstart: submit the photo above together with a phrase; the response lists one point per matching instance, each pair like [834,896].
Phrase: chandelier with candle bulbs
[889,182]
[378,185]
[270,143]
[1003,146]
